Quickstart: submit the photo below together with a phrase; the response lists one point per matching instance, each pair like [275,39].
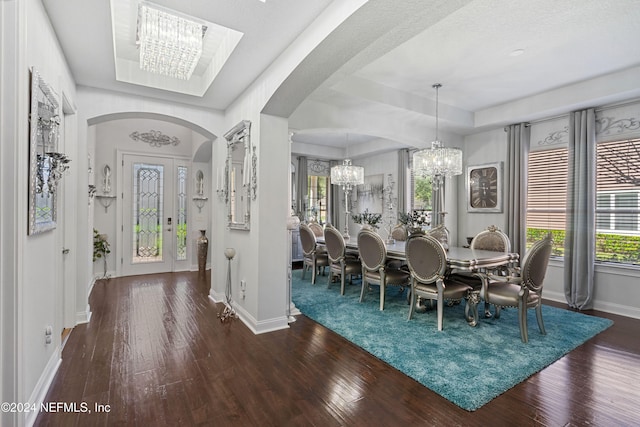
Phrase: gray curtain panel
[302,185]
[403,174]
[579,244]
[515,188]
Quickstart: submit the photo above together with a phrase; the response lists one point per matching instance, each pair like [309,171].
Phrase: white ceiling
[469,51]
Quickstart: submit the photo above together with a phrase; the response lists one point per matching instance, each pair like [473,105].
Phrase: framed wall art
[484,188]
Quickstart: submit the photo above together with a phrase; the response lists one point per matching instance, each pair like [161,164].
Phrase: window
[617,205]
[547,197]
[421,195]
[617,200]
[317,197]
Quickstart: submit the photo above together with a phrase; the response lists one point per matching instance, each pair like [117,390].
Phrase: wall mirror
[240,176]
[46,165]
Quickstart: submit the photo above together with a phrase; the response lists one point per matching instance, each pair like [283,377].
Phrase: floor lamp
[228,312]
[347,176]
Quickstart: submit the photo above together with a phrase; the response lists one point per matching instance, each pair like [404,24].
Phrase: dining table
[458,259]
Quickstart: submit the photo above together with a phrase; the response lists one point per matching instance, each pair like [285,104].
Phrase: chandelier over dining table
[438,162]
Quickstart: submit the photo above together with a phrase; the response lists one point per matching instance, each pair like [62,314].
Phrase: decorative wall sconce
[106,180]
[106,199]
[221,186]
[199,199]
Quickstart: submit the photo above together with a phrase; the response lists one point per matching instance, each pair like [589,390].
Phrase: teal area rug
[465,365]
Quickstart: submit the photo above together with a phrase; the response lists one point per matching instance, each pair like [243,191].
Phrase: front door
[154,215]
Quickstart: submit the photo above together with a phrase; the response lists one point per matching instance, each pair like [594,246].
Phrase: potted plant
[368,218]
[415,220]
[100,248]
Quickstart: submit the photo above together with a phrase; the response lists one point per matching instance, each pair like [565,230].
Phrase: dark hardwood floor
[155,354]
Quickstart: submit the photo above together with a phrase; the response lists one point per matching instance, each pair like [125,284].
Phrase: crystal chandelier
[170,44]
[347,176]
[438,161]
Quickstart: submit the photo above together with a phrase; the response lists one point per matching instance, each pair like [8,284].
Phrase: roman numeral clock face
[483,187]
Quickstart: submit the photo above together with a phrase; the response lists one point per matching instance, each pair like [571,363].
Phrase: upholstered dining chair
[523,291]
[491,239]
[313,257]
[373,255]
[427,262]
[340,264]
[399,233]
[441,233]
[316,228]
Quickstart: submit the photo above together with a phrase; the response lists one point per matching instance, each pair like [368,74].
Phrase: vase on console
[203,248]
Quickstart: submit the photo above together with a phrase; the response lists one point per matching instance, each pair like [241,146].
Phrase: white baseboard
[83,316]
[257,327]
[607,307]
[42,386]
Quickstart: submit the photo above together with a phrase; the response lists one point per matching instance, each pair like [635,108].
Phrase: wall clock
[484,188]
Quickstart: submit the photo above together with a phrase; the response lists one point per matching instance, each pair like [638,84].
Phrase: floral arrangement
[369,218]
[417,218]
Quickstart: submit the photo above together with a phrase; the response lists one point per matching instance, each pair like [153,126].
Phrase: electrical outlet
[48,332]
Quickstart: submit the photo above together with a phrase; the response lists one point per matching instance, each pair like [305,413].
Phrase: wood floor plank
[157,354]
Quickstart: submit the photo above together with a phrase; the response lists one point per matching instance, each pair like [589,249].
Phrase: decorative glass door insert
[154,214]
[147,212]
[181,223]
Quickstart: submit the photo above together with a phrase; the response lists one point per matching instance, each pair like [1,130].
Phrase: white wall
[35,289]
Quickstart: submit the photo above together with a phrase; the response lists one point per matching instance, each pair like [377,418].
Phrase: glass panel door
[154,215]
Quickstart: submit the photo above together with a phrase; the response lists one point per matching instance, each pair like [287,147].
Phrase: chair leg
[382,292]
[315,273]
[440,311]
[304,269]
[539,318]
[522,315]
[497,315]
[330,276]
[342,283]
[412,301]
[487,310]
[364,285]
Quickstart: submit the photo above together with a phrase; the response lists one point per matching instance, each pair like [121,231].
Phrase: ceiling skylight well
[162,48]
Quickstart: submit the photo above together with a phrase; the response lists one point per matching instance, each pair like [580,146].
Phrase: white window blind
[547,196]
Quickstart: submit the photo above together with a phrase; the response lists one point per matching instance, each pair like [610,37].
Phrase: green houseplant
[369,218]
[100,248]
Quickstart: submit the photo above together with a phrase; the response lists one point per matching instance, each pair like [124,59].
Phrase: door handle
[65,251]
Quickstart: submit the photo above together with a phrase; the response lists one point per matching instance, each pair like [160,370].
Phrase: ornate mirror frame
[44,122]
[240,175]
